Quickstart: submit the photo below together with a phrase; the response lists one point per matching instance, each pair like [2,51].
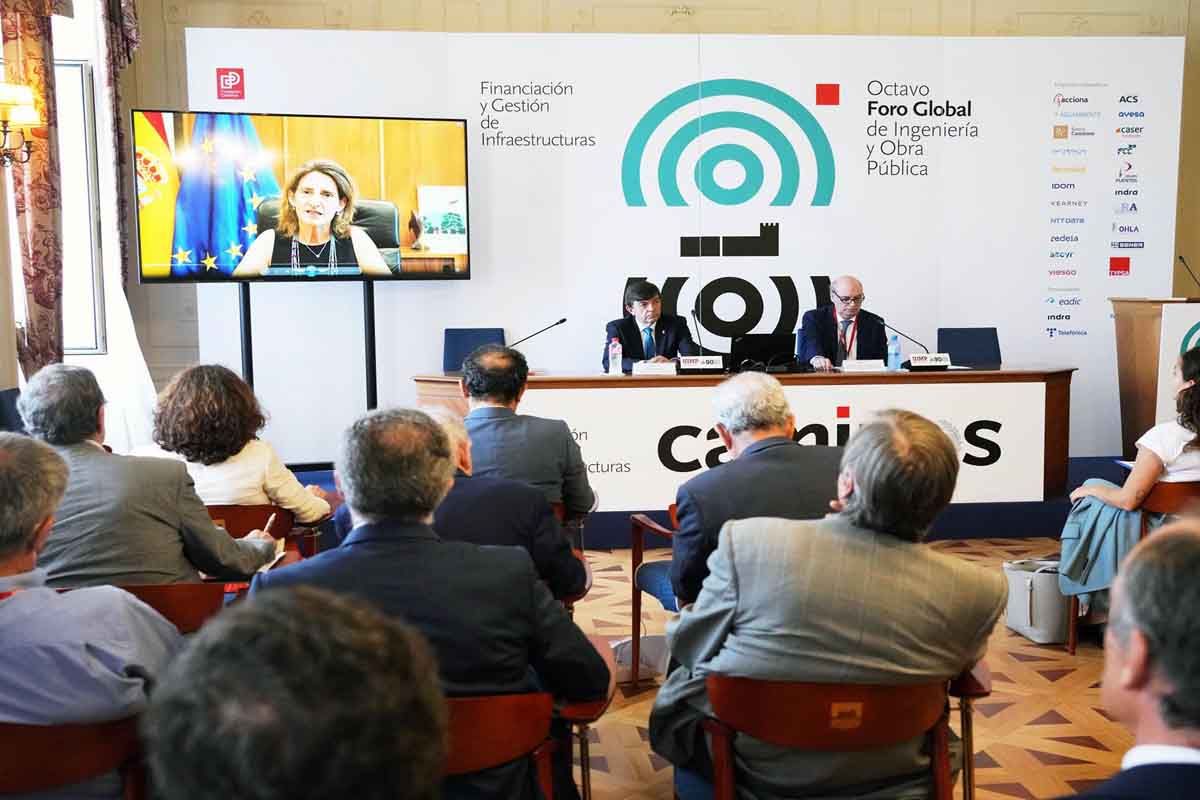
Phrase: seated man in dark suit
[494,626]
[645,333]
[832,334]
[1152,667]
[768,475]
[319,696]
[123,519]
[497,511]
[505,444]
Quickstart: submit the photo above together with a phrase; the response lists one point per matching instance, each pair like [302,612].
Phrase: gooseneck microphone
[906,336]
[1183,261]
[535,333]
[699,340]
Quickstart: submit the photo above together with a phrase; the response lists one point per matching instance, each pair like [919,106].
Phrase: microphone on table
[699,339]
[1183,261]
[906,336]
[535,333]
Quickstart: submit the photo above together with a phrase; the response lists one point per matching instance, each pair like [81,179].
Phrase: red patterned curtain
[119,22]
[29,60]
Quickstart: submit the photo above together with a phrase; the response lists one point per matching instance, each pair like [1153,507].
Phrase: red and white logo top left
[231,83]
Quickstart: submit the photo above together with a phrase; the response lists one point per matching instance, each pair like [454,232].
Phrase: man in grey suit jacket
[123,519]
[853,598]
[505,444]
[768,475]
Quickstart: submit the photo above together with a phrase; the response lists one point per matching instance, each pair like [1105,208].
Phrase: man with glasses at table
[830,335]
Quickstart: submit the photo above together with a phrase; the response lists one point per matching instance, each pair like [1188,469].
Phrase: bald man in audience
[1151,680]
[124,519]
[842,331]
[88,655]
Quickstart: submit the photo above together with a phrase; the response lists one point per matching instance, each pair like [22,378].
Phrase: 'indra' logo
[753,171]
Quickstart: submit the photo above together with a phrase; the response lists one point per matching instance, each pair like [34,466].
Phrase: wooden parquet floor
[1042,733]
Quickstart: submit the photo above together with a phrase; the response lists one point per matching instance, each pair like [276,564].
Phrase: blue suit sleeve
[552,556]
[689,549]
[810,338]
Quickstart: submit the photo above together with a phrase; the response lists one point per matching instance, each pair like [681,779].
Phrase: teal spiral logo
[1190,339]
[752,167]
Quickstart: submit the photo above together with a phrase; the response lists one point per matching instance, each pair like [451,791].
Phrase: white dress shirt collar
[1144,754]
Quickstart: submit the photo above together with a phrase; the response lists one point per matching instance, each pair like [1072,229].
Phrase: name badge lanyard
[842,332]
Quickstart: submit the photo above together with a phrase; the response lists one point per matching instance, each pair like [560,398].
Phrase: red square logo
[829,94]
[843,412]
[1118,265]
[231,83]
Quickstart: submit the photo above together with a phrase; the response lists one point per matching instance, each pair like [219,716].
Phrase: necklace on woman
[317,253]
[330,268]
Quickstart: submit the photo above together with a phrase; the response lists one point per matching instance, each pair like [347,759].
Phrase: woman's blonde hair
[289,224]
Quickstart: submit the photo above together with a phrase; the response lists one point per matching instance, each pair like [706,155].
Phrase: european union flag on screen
[224,176]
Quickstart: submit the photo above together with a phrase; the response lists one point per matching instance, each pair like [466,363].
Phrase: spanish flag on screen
[157,186]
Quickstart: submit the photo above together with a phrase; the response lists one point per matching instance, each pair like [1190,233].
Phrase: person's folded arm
[1147,469]
[561,655]
[577,493]
[210,548]
[286,491]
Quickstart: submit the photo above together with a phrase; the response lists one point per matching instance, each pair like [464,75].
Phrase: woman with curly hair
[1105,520]
[209,417]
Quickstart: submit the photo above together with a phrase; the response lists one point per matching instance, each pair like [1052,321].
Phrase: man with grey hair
[495,627]
[123,519]
[855,597]
[1152,666]
[83,656]
[842,330]
[497,512]
[767,475]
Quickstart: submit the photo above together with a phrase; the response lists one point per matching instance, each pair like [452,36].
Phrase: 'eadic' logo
[231,83]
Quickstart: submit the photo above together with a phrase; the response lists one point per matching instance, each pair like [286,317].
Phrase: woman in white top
[1170,451]
[209,417]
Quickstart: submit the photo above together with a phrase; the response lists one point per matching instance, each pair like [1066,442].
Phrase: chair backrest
[673,515]
[826,716]
[970,347]
[379,218]
[39,758]
[458,343]
[187,606]
[240,520]
[1172,498]
[491,730]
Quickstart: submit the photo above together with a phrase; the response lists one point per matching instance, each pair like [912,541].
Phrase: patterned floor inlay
[1041,734]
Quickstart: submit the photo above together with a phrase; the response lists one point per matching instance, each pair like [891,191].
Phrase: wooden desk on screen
[428,261]
[644,435]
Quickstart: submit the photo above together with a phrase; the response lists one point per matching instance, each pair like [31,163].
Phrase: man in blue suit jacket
[830,335]
[505,444]
[498,512]
[645,333]
[768,475]
[1151,677]
[494,625]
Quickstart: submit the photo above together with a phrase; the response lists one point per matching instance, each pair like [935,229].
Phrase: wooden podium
[1139,328]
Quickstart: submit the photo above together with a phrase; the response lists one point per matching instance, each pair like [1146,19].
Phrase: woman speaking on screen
[314,235]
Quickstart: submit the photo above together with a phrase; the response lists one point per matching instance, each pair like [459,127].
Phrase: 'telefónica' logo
[710,121]
[679,447]
[231,83]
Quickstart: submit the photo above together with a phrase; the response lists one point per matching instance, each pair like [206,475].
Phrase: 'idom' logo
[706,165]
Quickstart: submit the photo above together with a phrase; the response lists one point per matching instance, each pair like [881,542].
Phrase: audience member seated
[123,519]
[497,511]
[1151,679]
[853,598]
[505,444]
[495,627]
[209,417]
[1105,523]
[768,475]
[299,695]
[83,656]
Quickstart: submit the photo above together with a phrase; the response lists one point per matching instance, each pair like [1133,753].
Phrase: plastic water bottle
[615,355]
[893,353]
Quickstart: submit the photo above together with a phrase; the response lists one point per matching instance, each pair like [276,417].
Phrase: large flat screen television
[270,197]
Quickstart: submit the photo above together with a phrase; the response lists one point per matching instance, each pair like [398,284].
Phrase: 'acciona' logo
[720,152]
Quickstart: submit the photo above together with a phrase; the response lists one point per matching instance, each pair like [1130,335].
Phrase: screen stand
[247,344]
[369,343]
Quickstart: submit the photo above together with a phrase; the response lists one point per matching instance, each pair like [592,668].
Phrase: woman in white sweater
[209,417]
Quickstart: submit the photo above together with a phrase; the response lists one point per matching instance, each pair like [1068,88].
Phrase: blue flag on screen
[224,176]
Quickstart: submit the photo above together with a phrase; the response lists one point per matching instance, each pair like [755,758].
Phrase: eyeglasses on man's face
[854,299]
